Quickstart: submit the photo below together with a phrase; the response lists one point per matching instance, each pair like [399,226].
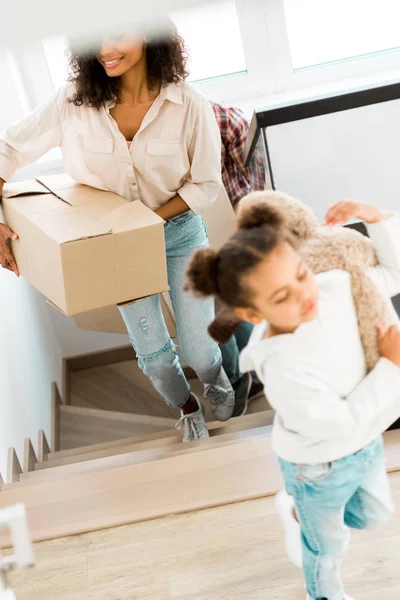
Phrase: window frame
[328,73]
[268,61]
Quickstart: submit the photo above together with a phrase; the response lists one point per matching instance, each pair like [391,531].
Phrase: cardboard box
[85,248]
[220,222]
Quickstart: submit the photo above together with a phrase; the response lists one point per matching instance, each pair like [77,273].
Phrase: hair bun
[203,272]
[259,215]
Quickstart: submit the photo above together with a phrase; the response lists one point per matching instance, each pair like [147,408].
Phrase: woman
[129,123]
[306,348]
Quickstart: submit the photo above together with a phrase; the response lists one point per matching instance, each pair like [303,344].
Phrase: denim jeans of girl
[331,499]
[157,355]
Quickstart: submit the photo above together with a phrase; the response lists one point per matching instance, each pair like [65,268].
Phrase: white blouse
[177,149]
[315,378]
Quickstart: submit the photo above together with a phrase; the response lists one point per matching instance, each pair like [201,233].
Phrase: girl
[129,123]
[306,350]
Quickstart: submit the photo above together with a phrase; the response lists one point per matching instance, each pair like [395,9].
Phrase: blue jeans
[331,499]
[232,349]
[157,356]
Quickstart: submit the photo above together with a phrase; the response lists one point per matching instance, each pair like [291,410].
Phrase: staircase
[106,468]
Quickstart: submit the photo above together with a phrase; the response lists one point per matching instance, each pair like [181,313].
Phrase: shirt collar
[171,92]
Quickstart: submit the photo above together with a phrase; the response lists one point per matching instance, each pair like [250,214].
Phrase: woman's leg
[155,350]
[158,359]
[184,235]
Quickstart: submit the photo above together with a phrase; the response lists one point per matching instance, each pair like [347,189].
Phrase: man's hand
[342,212]
[389,344]
[7,259]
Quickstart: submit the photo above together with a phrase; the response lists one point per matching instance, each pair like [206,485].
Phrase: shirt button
[134,184]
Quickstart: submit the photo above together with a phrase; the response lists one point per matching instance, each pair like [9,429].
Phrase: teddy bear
[324,249]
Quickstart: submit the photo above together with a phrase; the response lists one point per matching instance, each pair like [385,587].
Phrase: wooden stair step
[185,482]
[172,436]
[82,426]
[137,457]
[188,481]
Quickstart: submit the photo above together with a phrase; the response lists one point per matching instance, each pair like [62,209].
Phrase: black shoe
[242,390]
[256,389]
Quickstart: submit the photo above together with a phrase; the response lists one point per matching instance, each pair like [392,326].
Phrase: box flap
[69,226]
[130,216]
[24,188]
[79,195]
[34,204]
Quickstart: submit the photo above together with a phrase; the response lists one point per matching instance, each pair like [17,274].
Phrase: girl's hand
[342,212]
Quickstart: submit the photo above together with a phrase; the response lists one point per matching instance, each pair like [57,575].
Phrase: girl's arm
[308,406]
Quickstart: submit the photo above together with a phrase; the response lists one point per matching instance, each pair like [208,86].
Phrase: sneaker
[285,506]
[257,388]
[194,425]
[346,597]
[221,397]
[242,390]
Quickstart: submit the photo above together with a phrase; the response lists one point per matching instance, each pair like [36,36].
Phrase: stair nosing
[252,417]
[263,432]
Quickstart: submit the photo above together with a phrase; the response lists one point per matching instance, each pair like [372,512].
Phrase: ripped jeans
[146,327]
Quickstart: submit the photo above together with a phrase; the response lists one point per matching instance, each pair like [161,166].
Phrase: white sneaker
[221,397]
[285,506]
[346,597]
[194,425]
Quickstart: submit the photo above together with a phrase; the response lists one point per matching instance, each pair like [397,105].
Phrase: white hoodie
[315,378]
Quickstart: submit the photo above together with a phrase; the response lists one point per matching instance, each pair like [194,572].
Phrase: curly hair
[166,63]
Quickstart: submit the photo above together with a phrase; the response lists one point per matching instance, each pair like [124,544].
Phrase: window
[55,52]
[211,33]
[242,51]
[212,36]
[326,31]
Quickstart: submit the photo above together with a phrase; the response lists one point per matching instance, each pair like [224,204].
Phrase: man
[238,181]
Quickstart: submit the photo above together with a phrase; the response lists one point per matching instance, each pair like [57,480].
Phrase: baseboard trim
[100,358]
[14,468]
[55,417]
[30,458]
[43,446]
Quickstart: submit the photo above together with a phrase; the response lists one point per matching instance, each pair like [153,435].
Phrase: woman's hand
[342,212]
[7,259]
[389,344]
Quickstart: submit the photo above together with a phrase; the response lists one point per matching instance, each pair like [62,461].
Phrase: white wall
[352,154]
[30,359]
[73,340]
[12,107]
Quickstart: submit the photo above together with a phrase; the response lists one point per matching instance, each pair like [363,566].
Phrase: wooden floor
[228,553]
[123,387]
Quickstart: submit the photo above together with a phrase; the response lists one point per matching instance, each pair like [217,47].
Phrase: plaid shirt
[237,179]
